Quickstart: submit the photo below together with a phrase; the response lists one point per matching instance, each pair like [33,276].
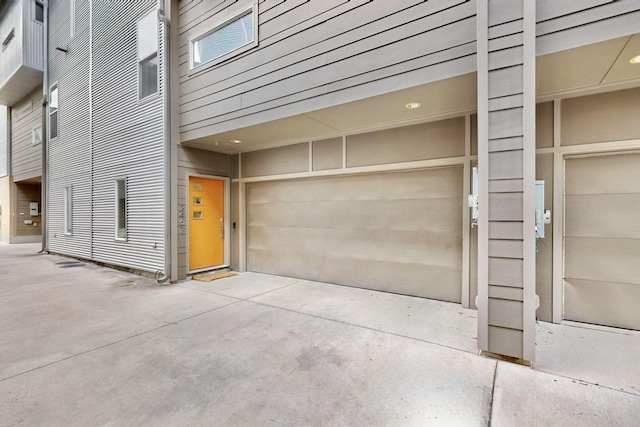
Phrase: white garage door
[399,232]
[602,240]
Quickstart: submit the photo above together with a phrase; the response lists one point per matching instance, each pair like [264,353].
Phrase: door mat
[208,277]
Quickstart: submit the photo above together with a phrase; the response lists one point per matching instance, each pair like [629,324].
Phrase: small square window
[197,201]
[197,214]
[36,135]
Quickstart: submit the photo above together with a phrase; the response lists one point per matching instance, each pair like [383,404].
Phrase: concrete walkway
[86,345]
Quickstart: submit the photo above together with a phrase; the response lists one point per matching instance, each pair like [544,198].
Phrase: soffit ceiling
[588,69]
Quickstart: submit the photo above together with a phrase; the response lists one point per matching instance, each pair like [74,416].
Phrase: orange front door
[206,222]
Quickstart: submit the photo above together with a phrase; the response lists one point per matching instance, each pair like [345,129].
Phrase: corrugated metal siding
[33,39]
[106,136]
[26,158]
[127,141]
[11,57]
[69,153]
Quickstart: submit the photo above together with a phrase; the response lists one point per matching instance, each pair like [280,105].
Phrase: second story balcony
[22,48]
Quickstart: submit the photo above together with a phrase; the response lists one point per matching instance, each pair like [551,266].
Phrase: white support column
[558,218]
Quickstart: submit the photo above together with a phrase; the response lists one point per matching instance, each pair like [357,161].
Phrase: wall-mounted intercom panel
[33,208]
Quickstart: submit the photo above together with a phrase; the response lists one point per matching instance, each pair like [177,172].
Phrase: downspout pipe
[44,191]
[166,112]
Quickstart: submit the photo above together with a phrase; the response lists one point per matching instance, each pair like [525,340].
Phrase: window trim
[56,111]
[253,8]
[117,209]
[150,56]
[68,210]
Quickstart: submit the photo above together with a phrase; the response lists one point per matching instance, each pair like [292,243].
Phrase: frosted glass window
[224,39]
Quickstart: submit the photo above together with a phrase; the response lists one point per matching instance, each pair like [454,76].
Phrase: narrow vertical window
[72,18]
[148,55]
[68,210]
[121,209]
[53,111]
[39,11]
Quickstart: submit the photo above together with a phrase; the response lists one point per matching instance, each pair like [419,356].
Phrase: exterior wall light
[413,105]
[635,60]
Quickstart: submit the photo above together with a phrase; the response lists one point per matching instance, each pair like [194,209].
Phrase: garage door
[602,240]
[399,232]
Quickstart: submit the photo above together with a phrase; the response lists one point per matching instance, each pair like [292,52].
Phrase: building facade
[106,161]
[22,24]
[336,141]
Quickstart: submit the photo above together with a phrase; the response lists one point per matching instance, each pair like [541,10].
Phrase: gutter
[167,145]
[44,191]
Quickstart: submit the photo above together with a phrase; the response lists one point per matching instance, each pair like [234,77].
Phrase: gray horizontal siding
[26,158]
[313,55]
[330,51]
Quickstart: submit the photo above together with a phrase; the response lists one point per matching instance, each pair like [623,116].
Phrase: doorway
[207,220]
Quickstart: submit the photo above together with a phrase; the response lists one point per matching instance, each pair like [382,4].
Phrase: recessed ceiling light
[635,60]
[236,141]
[413,105]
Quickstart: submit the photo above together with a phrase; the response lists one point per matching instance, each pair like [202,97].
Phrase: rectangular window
[39,11]
[53,111]
[121,209]
[148,55]
[8,39]
[36,135]
[68,209]
[232,37]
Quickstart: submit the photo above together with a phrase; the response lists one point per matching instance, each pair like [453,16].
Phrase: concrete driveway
[87,345]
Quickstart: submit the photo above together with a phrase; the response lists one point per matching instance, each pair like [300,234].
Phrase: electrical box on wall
[543,216]
[473,197]
[33,208]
